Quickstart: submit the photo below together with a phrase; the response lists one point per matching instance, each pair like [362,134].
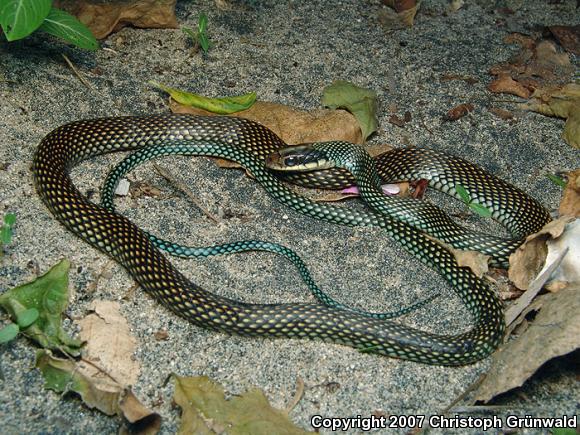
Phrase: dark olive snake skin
[240,140]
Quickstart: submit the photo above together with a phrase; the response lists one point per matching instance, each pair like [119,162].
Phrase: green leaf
[203,42]
[361,102]
[558,181]
[48,294]
[202,24]
[564,431]
[19,18]
[221,106]
[205,410]
[10,218]
[190,33]
[64,25]
[481,210]
[9,333]
[27,318]
[463,194]
[5,235]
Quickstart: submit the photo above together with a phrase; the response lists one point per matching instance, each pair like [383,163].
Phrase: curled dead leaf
[505,84]
[568,37]
[570,203]
[501,113]
[529,259]
[554,332]
[96,389]
[476,261]
[563,102]
[402,15]
[458,112]
[293,125]
[104,18]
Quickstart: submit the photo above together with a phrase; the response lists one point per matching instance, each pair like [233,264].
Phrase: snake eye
[291,161]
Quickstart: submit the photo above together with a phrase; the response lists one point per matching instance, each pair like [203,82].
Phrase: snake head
[300,158]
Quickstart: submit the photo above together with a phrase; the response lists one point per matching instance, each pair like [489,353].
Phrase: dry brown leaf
[563,102]
[162,334]
[96,389]
[548,63]
[570,203]
[501,113]
[505,84]
[400,122]
[568,37]
[554,332]
[528,260]
[295,126]
[292,125]
[109,343]
[476,261]
[104,18]
[538,64]
[402,16]
[458,112]
[569,270]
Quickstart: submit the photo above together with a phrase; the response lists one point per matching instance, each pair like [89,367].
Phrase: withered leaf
[205,410]
[502,113]
[96,389]
[570,203]
[295,126]
[505,84]
[555,331]
[529,259]
[458,112]
[109,343]
[568,37]
[403,15]
[563,102]
[104,18]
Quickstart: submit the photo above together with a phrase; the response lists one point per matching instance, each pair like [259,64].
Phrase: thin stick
[181,186]
[76,72]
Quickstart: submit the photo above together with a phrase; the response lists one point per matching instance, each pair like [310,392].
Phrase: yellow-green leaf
[361,102]
[221,106]
[48,294]
[206,411]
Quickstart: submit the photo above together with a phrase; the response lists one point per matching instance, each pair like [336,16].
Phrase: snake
[249,143]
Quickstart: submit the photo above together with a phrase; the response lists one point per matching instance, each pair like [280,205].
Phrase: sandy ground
[286,52]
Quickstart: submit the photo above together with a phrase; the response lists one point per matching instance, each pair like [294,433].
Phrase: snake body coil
[239,140]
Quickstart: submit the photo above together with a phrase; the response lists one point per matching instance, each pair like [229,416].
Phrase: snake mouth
[299,158]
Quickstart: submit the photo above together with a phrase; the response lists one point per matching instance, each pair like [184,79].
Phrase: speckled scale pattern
[229,138]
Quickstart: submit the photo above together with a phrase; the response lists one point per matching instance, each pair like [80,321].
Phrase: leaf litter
[104,18]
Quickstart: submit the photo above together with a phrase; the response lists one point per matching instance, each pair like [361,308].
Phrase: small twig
[297,395]
[515,310]
[83,80]
[110,50]
[181,186]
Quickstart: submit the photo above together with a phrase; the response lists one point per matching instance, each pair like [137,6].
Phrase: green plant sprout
[6,231]
[466,198]
[558,181]
[19,18]
[199,38]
